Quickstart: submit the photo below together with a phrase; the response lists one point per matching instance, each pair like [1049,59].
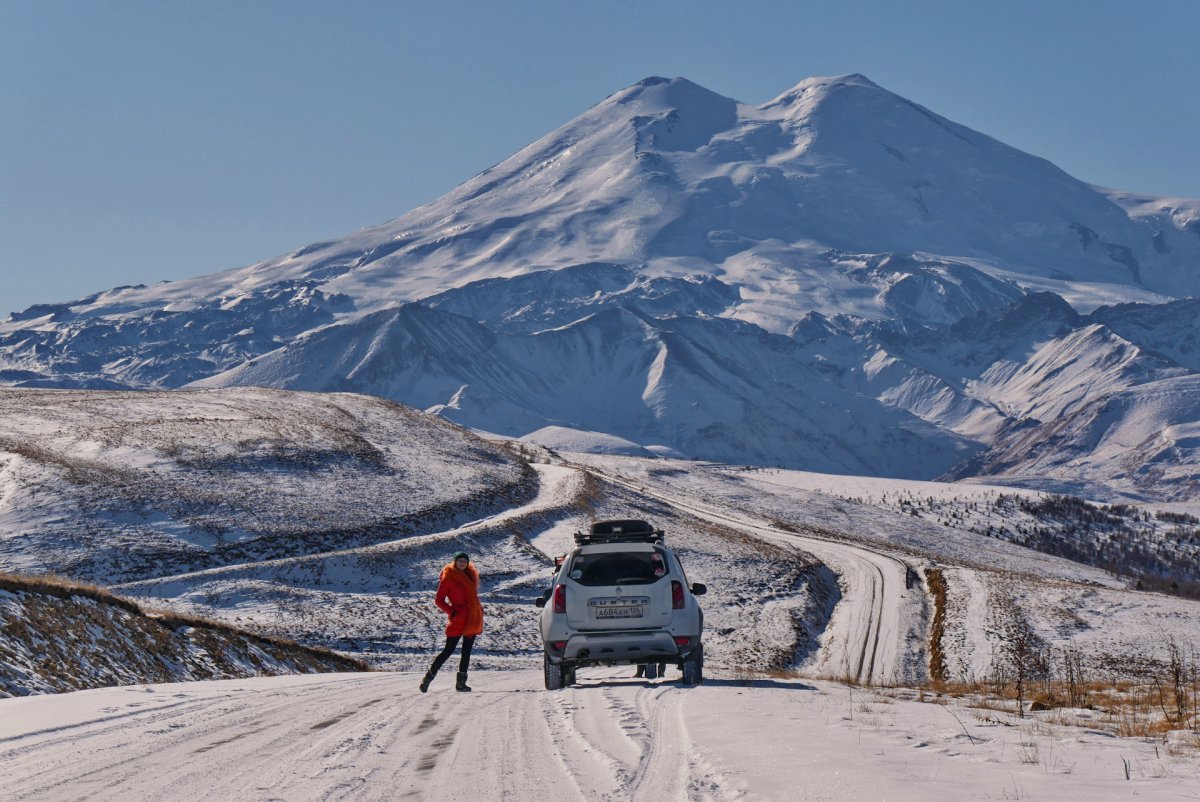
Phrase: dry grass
[936,580]
[63,588]
[1055,689]
[1126,708]
[591,494]
[774,673]
[175,620]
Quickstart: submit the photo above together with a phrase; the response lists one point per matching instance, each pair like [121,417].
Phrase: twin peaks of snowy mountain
[838,279]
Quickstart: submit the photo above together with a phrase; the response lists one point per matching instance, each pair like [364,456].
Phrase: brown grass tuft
[936,581]
[63,588]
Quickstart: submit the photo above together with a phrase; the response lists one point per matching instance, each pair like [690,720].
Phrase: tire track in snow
[374,738]
[670,766]
[975,649]
[662,772]
[163,756]
[577,746]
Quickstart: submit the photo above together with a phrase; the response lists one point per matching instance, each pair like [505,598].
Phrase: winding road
[862,639]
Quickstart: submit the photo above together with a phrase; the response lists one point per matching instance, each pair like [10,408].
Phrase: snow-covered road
[358,737]
[375,737]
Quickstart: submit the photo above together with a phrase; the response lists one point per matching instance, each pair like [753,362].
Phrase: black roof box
[620,531]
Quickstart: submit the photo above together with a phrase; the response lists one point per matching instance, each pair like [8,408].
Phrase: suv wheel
[693,667]
[651,670]
[554,674]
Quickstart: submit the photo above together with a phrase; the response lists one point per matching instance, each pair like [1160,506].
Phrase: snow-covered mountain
[836,279]
[714,388]
[1145,438]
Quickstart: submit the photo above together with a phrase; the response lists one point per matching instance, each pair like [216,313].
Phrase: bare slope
[61,636]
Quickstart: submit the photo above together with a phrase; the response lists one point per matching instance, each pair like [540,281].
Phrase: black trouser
[444,655]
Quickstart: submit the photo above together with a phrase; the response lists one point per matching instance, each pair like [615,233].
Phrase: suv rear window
[618,568]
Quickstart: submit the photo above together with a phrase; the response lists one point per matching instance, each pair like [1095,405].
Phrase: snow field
[767,607]
[377,601]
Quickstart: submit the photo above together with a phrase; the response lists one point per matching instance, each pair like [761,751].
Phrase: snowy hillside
[1146,438]
[105,486]
[838,279]
[326,518]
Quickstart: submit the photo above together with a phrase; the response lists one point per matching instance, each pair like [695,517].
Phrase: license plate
[627,611]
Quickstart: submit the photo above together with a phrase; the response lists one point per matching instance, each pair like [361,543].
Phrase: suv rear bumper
[618,647]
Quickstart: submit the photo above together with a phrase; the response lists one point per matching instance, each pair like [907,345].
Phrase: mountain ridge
[839,216]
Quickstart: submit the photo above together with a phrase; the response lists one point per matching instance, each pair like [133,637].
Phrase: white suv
[621,598]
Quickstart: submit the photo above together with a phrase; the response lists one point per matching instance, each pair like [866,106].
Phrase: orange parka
[458,597]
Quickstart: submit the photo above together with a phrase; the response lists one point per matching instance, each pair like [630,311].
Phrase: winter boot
[429,675]
[461,685]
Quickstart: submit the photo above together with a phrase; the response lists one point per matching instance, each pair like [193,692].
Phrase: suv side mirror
[540,601]
[699,589]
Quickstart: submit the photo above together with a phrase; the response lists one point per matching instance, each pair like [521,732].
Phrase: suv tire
[554,674]
[693,668]
[651,670]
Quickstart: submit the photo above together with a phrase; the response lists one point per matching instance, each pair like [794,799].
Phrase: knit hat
[458,554]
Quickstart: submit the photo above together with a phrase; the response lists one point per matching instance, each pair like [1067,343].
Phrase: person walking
[457,597]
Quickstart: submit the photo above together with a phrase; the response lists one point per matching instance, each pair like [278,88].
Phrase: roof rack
[620,531]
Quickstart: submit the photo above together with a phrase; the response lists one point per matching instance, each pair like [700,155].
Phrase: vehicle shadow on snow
[611,682]
[758,683]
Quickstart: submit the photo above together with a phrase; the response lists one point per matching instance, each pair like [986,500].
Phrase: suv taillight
[560,599]
[676,594]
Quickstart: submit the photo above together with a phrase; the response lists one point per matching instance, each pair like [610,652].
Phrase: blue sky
[146,141]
